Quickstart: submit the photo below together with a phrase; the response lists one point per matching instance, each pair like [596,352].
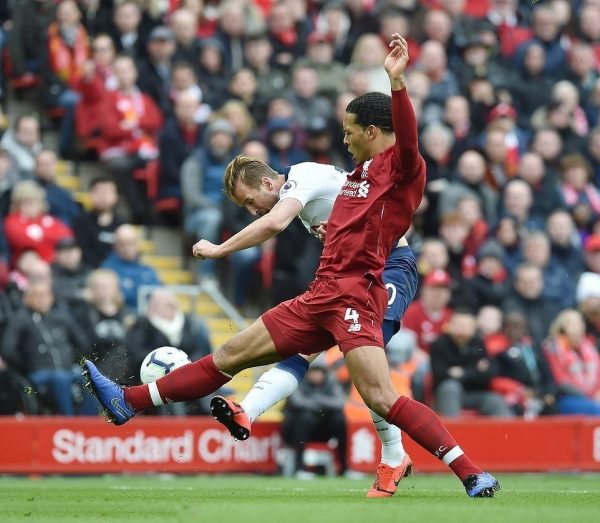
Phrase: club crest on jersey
[365,169]
[289,185]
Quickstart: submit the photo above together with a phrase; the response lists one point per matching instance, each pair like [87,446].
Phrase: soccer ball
[161,361]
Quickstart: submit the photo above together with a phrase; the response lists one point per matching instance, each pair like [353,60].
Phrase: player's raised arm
[254,234]
[406,148]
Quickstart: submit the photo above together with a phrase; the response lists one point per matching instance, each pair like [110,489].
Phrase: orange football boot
[387,478]
[232,415]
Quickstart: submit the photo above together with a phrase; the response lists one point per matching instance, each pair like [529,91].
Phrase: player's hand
[322,231]
[395,62]
[206,250]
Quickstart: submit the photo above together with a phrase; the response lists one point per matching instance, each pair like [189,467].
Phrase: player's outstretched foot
[108,393]
[387,478]
[232,415]
[482,485]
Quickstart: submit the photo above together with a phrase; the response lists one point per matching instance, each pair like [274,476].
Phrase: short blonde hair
[99,276]
[27,190]
[247,170]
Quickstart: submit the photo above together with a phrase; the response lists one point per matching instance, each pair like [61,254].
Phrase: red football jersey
[376,204]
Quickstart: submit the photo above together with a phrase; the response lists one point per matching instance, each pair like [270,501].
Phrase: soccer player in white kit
[307,191]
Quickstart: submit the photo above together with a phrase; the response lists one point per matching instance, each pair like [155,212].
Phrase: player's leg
[251,347]
[370,374]
[401,280]
[273,386]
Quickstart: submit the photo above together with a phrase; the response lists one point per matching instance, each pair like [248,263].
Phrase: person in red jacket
[129,123]
[428,315]
[28,226]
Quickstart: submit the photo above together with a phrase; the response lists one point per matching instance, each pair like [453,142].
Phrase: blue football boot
[482,485]
[109,394]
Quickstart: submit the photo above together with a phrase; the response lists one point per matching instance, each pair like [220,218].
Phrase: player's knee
[379,400]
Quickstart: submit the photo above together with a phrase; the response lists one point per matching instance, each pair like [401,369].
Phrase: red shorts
[347,312]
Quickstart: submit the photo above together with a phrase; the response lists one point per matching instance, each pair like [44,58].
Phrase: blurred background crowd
[160,95]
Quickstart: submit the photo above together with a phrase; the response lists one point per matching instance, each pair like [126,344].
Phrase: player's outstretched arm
[406,148]
[396,61]
[254,234]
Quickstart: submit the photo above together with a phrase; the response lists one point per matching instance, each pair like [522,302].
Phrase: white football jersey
[315,186]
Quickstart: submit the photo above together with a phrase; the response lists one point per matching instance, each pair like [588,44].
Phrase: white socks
[392,451]
[277,384]
[273,386]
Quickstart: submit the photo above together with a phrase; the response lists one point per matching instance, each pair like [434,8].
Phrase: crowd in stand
[165,93]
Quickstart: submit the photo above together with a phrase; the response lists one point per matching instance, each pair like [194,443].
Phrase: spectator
[244,87]
[433,62]
[125,262]
[183,23]
[593,153]
[60,202]
[30,21]
[490,284]
[98,78]
[212,71]
[43,343]
[238,115]
[457,116]
[547,32]
[164,324]
[462,372]
[524,379]
[257,53]
[517,201]
[103,315]
[201,184]
[564,244]
[588,300]
[306,102]
[581,197]
[178,138]
[526,297]
[283,150]
[69,273]
[320,58]
[95,229]
[318,143]
[23,143]
[235,21]
[129,124]
[315,412]
[575,365]
[63,65]
[549,145]
[428,315]
[582,69]
[533,90]
[9,175]
[286,34]
[367,56]
[559,287]
[489,321]
[155,71]
[470,173]
[29,226]
[469,209]
[546,198]
[128,34]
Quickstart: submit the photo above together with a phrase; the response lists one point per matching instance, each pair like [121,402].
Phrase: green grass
[252,499]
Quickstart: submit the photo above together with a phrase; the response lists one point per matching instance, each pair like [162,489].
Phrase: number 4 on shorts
[351,315]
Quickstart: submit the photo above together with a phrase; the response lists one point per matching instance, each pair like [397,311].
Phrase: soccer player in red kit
[345,304]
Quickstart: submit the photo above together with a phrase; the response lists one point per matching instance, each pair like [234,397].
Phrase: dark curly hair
[372,109]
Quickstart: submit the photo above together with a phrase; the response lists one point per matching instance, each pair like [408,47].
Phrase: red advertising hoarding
[35,445]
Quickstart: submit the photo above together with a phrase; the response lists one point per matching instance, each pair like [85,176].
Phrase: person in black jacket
[178,138]
[462,371]
[95,230]
[164,324]
[531,388]
[315,412]
[43,343]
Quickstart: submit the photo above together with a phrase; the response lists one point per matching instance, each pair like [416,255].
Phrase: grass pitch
[254,499]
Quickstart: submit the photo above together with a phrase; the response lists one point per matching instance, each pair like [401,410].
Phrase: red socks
[426,428]
[190,382]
